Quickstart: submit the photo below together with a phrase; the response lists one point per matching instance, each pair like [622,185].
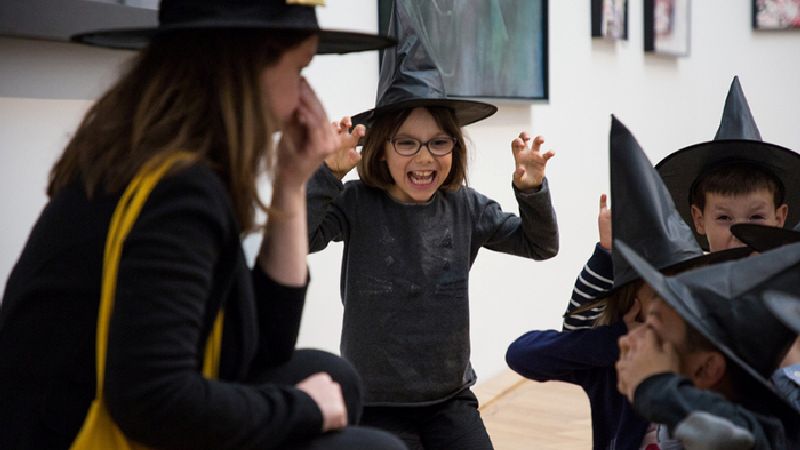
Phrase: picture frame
[667,27]
[776,15]
[57,20]
[609,19]
[492,49]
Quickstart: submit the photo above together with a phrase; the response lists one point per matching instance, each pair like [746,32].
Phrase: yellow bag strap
[125,214]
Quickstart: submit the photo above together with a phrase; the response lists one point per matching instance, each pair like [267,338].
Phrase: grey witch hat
[786,307]
[724,302]
[737,140]
[206,15]
[763,237]
[644,216]
[409,76]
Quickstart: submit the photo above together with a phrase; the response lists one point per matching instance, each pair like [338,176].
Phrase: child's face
[670,328]
[417,177]
[722,211]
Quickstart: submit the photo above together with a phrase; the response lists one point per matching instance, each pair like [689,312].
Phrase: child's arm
[669,398]
[545,355]
[596,278]
[534,234]
[327,220]
[648,375]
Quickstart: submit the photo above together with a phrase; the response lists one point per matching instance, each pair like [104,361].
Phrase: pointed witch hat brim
[724,303]
[737,141]
[763,237]
[682,169]
[209,15]
[465,111]
[786,308]
[411,78]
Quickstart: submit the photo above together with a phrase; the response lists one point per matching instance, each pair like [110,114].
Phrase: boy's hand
[641,354]
[346,157]
[604,223]
[530,161]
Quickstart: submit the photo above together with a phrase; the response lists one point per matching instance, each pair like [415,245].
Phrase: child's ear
[711,370]
[780,214]
[697,218]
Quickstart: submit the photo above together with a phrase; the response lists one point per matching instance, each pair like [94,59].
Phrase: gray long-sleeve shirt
[405,278]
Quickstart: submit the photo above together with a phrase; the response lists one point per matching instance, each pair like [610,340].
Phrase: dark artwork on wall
[59,19]
[667,27]
[610,19]
[486,48]
[776,14]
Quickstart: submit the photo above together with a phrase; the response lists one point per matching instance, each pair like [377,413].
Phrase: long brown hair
[187,91]
[373,171]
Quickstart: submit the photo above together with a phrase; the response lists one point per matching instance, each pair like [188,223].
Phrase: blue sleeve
[594,282]
[550,355]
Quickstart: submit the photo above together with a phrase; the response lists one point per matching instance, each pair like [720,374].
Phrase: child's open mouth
[421,177]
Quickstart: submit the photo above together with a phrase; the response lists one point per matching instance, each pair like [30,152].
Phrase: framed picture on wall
[486,48]
[776,14]
[667,27]
[610,19]
[59,19]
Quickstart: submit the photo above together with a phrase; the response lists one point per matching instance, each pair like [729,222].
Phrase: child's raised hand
[530,161]
[604,223]
[346,156]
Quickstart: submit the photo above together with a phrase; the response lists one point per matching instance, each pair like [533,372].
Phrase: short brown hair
[736,178]
[191,91]
[372,169]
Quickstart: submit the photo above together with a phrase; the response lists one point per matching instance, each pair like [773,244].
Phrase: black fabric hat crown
[410,77]
[724,303]
[643,214]
[275,15]
[737,140]
[785,306]
[762,237]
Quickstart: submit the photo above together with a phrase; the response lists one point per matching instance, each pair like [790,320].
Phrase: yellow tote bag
[98,430]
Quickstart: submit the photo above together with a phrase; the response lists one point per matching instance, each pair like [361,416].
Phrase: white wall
[668,103]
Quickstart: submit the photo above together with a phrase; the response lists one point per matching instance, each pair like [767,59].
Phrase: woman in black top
[215,79]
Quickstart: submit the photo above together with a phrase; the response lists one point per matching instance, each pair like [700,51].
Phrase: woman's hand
[307,140]
[328,396]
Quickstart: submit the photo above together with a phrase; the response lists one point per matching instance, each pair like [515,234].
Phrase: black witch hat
[763,237]
[724,303]
[737,140]
[273,15]
[409,76]
[786,307]
[644,216]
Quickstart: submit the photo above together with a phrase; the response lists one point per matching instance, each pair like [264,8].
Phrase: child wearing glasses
[411,231]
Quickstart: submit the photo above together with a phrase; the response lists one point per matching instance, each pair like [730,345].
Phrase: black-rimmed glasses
[438,146]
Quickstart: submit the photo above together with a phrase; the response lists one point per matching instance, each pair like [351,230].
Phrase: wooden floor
[522,415]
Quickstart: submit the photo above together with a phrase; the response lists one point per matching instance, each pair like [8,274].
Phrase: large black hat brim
[681,169]
[763,237]
[698,261]
[466,111]
[675,294]
[330,41]
[786,308]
